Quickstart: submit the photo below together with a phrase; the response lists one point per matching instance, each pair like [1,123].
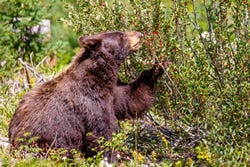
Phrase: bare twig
[186,137]
[31,59]
[40,78]
[38,65]
[169,134]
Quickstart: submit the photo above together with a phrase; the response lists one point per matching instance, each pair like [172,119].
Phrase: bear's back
[60,106]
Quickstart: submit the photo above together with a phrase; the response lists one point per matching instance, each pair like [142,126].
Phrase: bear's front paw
[157,70]
[149,77]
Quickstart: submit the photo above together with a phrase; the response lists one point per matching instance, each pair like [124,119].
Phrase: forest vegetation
[201,113]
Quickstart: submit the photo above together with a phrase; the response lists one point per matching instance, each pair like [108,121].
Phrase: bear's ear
[92,43]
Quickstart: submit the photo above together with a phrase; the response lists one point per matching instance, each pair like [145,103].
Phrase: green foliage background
[201,114]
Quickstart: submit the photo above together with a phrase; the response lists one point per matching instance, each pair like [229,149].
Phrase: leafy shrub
[204,47]
[18,40]
[23,45]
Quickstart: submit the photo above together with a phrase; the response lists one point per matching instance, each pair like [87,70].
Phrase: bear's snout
[134,39]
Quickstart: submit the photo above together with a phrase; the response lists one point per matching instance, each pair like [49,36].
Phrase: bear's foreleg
[133,99]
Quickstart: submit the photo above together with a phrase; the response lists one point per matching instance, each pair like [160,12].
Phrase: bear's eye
[121,40]
[118,38]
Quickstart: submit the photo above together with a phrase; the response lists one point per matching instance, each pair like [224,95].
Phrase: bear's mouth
[134,40]
[136,46]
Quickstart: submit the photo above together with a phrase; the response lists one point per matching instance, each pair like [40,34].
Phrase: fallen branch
[38,76]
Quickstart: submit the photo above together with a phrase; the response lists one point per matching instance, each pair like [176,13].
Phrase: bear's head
[118,45]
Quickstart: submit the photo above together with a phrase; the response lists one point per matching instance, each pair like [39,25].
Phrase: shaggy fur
[87,97]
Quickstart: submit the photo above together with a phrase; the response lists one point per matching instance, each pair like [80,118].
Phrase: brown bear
[87,98]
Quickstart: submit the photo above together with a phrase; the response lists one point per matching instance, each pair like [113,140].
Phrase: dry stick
[46,155]
[168,133]
[38,65]
[174,139]
[41,62]
[32,70]
[195,138]
[27,76]
[31,60]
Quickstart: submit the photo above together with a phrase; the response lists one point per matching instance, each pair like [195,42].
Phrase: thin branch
[38,65]
[172,82]
[41,79]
